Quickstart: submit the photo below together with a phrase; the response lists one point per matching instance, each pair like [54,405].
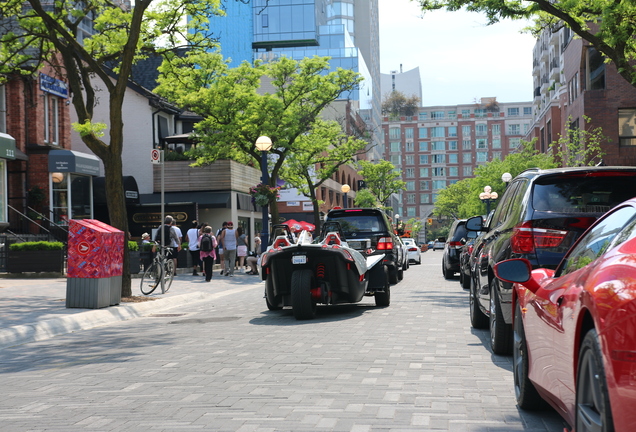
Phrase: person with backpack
[207,244]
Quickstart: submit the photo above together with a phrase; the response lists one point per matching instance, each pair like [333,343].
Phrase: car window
[503,208]
[575,194]
[460,231]
[359,223]
[596,241]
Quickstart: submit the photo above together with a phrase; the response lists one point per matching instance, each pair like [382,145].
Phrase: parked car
[540,215]
[467,255]
[452,248]
[370,228]
[413,251]
[405,258]
[439,243]
[575,327]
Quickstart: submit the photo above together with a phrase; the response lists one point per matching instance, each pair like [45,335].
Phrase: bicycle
[162,266]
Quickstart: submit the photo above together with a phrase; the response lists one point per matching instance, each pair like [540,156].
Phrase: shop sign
[53,85]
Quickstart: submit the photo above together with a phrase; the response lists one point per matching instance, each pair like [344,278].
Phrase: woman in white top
[229,241]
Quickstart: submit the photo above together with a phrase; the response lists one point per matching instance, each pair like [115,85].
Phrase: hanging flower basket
[263,194]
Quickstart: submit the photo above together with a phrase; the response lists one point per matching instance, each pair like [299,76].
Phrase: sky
[461,59]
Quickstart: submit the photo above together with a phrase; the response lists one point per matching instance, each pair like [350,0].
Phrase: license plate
[299,259]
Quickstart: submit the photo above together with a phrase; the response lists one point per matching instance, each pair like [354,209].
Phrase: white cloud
[460,58]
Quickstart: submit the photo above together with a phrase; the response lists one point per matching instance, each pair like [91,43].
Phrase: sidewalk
[35,308]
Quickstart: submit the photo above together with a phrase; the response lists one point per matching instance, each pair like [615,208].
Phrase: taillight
[526,238]
[412,249]
[385,243]
[455,244]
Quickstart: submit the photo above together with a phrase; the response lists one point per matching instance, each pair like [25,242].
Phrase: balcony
[222,175]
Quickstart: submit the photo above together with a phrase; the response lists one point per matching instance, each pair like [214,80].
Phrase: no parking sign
[155,156]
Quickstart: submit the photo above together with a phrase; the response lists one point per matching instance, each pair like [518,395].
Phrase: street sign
[155,156]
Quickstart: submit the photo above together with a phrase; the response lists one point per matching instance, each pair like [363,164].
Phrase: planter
[145,258]
[134,261]
[35,261]
[184,259]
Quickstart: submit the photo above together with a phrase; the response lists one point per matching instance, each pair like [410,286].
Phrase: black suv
[452,247]
[539,216]
[367,228]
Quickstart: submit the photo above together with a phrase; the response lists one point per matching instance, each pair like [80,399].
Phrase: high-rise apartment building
[444,144]
[409,82]
[572,81]
[345,30]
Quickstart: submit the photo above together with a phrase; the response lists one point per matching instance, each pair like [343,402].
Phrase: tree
[580,147]
[282,100]
[365,198]
[46,33]
[608,26]
[382,179]
[397,104]
[316,158]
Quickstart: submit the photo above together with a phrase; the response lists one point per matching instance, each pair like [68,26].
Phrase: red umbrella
[307,226]
[293,224]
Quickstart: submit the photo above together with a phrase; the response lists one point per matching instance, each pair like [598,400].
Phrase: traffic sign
[156,156]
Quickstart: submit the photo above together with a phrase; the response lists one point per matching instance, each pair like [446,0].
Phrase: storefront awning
[7,146]
[131,191]
[73,162]
[203,199]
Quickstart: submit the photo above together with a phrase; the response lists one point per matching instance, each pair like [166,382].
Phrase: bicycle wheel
[169,274]
[151,278]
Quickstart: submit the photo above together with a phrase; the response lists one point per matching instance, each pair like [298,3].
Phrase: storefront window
[72,197]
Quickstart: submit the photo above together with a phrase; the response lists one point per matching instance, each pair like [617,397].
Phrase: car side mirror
[475,223]
[513,270]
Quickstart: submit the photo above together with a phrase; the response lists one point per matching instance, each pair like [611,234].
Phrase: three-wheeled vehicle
[303,273]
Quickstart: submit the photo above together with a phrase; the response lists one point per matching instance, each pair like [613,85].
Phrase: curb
[38,331]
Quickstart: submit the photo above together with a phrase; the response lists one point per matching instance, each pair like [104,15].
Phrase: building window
[423,146]
[480,113]
[467,157]
[452,115]
[468,171]
[3,109]
[627,127]
[595,69]
[514,143]
[496,155]
[424,173]
[453,171]
[394,133]
[481,129]
[51,119]
[425,198]
[423,159]
[466,131]
[482,143]
[408,133]
[452,131]
[496,143]
[409,159]
[513,112]
[439,172]
[439,158]
[482,157]
[395,147]
[396,160]
[409,147]
[496,129]
[423,184]
[410,198]
[514,129]
[452,145]
[439,184]
[423,116]
[437,115]
[573,88]
[423,132]
[452,158]
[437,132]
[410,211]
[410,185]
[465,113]
[409,172]
[438,145]
[467,144]
[527,111]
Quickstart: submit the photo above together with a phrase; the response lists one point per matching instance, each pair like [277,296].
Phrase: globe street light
[488,196]
[264,144]
[345,188]
[506,177]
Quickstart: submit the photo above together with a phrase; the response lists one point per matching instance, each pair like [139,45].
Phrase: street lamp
[264,144]
[345,188]
[506,177]
[488,196]
[397,222]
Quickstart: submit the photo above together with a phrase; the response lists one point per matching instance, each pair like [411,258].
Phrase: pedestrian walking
[229,242]
[193,246]
[241,249]
[207,245]
[220,253]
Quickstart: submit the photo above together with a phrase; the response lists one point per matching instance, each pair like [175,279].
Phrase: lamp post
[264,144]
[397,222]
[345,188]
[488,196]
[506,177]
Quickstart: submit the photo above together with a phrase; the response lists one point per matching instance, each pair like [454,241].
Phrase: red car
[575,327]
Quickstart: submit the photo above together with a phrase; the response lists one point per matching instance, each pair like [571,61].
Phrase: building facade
[571,82]
[444,144]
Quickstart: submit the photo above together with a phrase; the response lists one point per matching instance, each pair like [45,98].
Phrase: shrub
[133,246]
[36,246]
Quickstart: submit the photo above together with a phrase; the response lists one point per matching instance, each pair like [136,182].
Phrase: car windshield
[359,223]
[589,194]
